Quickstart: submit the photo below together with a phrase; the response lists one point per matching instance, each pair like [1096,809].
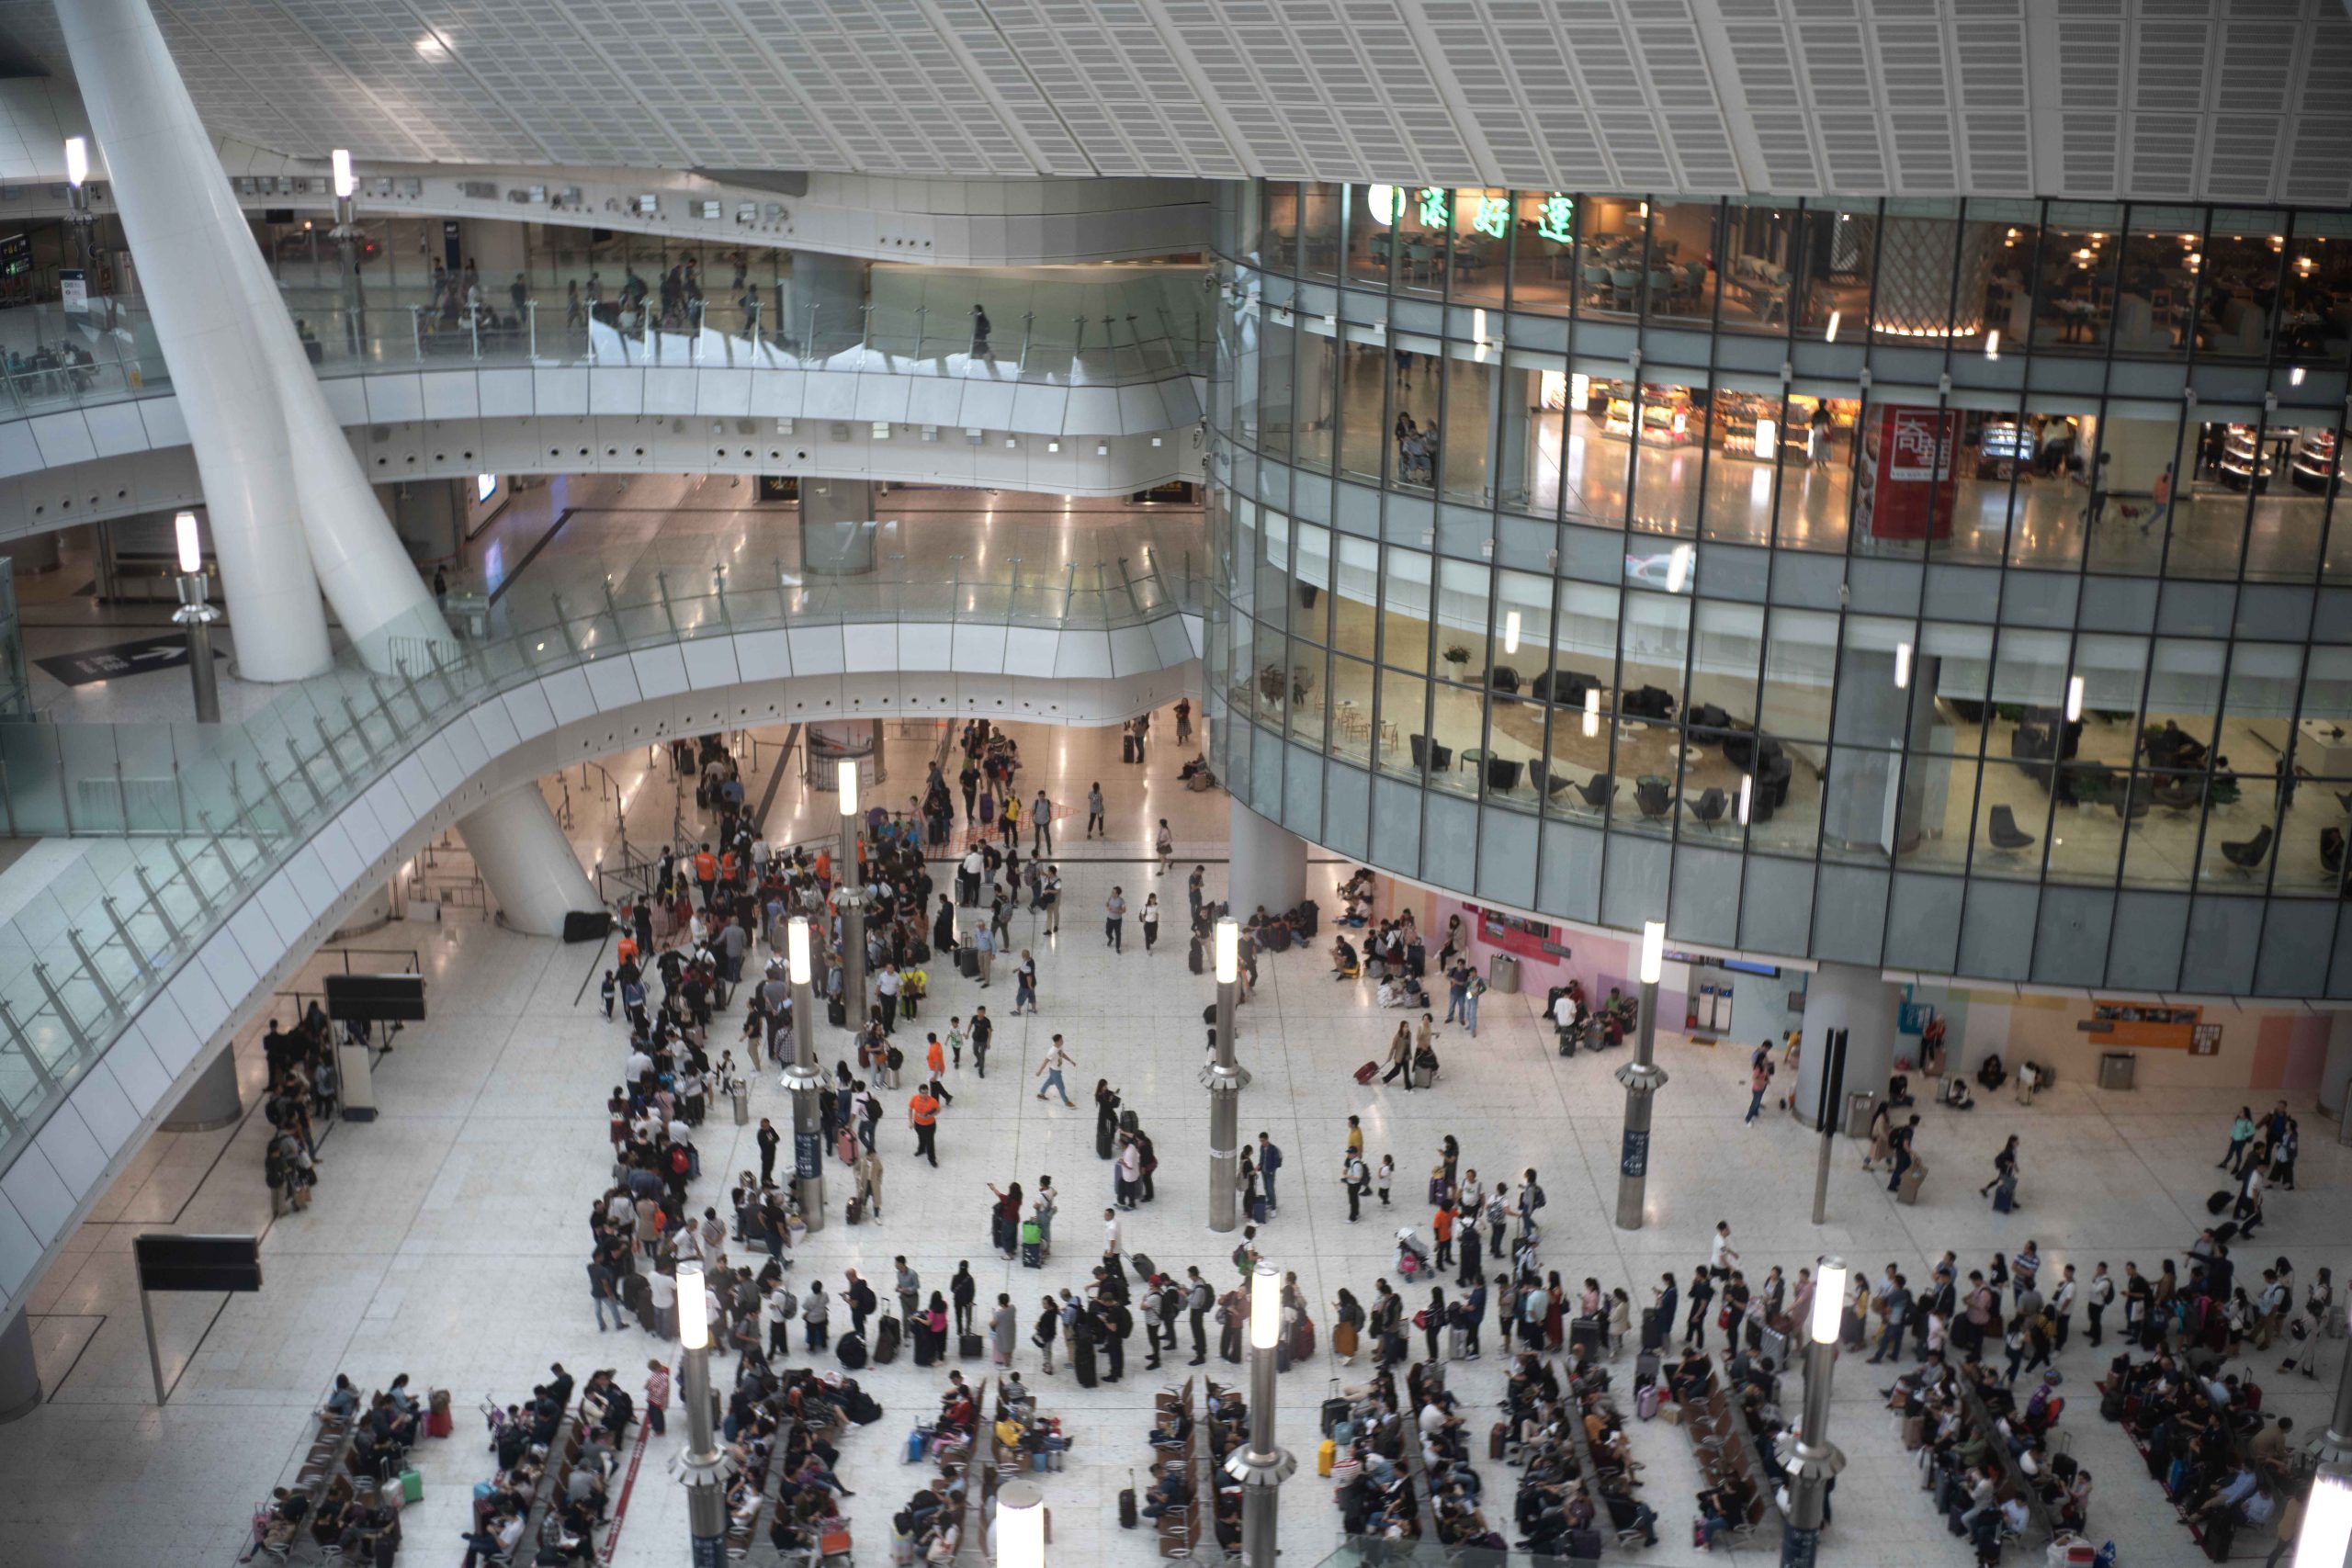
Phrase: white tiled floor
[449,1236]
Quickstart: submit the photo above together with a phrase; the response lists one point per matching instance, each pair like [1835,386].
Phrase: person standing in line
[1355,1176]
[1114,920]
[813,1310]
[1050,1069]
[1165,842]
[909,1286]
[1005,1323]
[1094,811]
[962,1290]
[768,1140]
[1198,1300]
[1183,721]
[1041,824]
[1111,1240]
[2100,1291]
[1473,989]
[1049,899]
[923,1114]
[1270,1160]
[1703,1293]
[657,1398]
[1193,887]
[1025,984]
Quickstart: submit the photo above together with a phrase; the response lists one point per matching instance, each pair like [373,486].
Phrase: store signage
[15,256]
[808,1155]
[1633,1155]
[1907,482]
[2155,1026]
[72,289]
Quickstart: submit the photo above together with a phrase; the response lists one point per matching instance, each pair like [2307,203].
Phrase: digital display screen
[485,486]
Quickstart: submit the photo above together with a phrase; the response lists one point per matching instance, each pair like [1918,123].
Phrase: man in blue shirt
[1270,1160]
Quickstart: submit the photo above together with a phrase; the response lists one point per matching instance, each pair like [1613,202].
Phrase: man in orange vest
[705,873]
[922,1110]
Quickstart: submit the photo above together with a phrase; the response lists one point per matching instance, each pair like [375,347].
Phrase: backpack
[1201,1298]
[1536,1200]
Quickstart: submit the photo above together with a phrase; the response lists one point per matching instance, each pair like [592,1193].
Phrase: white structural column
[1269,866]
[527,861]
[19,1375]
[1841,996]
[269,449]
[212,1100]
[174,196]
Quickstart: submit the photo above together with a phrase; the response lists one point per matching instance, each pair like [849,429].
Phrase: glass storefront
[1908,583]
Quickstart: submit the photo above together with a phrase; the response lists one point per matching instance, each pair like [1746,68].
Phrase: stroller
[1412,1258]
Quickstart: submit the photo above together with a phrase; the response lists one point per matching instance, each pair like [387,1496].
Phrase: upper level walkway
[184,868]
[1082,355]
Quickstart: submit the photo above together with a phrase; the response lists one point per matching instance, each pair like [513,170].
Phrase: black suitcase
[1143,1265]
[1587,1334]
[855,1213]
[1653,1331]
[587,925]
[1127,1515]
[836,1012]
[1334,1410]
[969,1346]
[885,1341]
[851,1351]
[2219,1202]
[967,962]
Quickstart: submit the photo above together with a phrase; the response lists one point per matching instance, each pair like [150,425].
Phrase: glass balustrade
[1146,324]
[184,821]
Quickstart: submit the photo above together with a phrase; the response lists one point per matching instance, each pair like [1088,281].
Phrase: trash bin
[742,1106]
[1502,975]
[2115,1069]
[1861,1105]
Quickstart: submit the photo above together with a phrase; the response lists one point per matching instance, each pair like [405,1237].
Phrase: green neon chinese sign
[1494,216]
[1434,213]
[1557,221]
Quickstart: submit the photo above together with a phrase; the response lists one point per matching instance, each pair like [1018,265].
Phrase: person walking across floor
[1051,1068]
[1164,843]
[923,1114]
[1041,824]
[1094,811]
[1114,920]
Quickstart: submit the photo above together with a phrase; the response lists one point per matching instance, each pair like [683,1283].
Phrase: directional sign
[91,665]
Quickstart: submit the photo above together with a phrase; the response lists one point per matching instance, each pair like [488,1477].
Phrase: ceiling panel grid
[533,56]
[2085,99]
[1011,70]
[412,74]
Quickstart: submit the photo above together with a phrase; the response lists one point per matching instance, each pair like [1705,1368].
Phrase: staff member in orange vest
[923,1111]
[705,873]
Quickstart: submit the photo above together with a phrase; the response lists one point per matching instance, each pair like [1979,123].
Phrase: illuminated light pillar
[1818,1460]
[1263,1465]
[1224,1079]
[702,1468]
[1642,1077]
[807,1132]
[850,889]
[196,612]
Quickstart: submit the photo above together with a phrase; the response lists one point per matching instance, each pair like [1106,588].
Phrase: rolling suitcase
[1645,1368]
[1324,1456]
[855,1213]
[411,1487]
[846,1146]
[969,1346]
[1334,1410]
[1653,1332]
[1030,1256]
[967,962]
[885,1341]
[1143,1265]
[1127,1515]
[2219,1202]
[1368,1072]
[1645,1402]
[1498,1441]
[1908,1192]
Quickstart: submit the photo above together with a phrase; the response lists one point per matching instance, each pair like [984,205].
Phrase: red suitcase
[1368,1072]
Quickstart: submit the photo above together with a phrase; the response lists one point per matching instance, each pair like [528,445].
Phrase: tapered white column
[526,863]
[173,197]
[212,1100]
[270,451]
[1268,864]
[19,1374]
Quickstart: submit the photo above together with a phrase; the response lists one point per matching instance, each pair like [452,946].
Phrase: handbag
[1722,1315]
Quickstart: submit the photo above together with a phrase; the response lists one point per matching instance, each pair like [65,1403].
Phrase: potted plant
[1457,656]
